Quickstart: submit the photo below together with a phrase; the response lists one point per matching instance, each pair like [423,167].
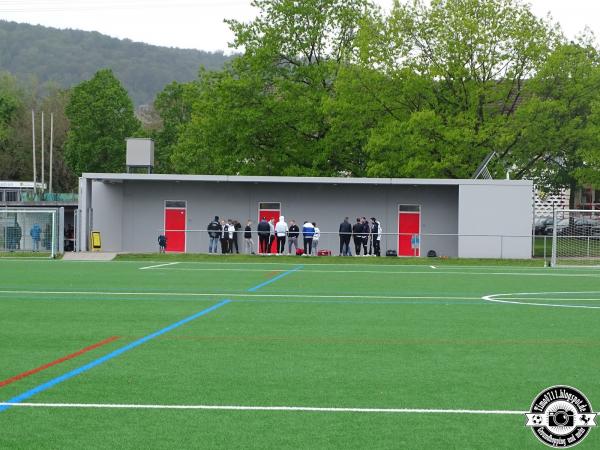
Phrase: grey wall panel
[107,206]
[495,221]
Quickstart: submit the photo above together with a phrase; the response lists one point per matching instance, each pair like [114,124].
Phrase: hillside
[70,56]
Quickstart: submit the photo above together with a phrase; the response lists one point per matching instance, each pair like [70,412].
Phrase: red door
[270,211]
[175,229]
[409,230]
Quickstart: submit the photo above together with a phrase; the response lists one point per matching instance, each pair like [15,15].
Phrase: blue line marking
[42,387]
[274,279]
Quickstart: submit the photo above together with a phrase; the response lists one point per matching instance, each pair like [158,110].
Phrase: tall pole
[51,147]
[42,149]
[33,140]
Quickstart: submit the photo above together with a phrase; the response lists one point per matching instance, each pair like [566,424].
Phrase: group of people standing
[225,232]
[366,235]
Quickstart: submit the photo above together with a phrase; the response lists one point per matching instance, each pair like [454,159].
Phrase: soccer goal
[28,231]
[575,238]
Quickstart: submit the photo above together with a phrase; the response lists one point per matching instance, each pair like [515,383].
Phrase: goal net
[575,238]
[30,232]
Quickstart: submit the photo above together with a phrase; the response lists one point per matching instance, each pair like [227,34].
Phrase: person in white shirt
[281,229]
[377,232]
[315,241]
[230,235]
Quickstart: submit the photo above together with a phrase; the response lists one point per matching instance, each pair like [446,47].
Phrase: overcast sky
[199,23]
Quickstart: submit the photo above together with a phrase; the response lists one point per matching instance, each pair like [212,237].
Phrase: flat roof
[121,177]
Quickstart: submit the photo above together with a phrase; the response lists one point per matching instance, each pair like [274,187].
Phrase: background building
[455,218]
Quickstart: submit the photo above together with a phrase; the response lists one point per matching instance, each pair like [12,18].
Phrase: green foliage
[266,113]
[68,57]
[102,117]
[457,74]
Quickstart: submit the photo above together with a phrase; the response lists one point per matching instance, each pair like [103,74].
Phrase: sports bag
[324,253]
[299,252]
[391,253]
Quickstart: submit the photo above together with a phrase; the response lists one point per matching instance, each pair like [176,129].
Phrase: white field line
[389,272]
[267,408]
[510,300]
[222,294]
[158,265]
[433,267]
[555,299]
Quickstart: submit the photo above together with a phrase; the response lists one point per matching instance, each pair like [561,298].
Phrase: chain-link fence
[364,244]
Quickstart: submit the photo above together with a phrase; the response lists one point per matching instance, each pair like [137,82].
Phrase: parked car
[561,227]
[540,224]
[586,227]
[575,227]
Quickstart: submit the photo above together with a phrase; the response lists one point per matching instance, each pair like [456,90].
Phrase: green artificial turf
[353,335]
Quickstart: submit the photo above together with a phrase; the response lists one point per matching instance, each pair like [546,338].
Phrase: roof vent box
[140,153]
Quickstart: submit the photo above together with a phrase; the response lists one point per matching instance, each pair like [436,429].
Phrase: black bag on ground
[391,253]
[431,254]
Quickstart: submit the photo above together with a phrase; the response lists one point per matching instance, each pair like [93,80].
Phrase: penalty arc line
[267,408]
[47,385]
[509,300]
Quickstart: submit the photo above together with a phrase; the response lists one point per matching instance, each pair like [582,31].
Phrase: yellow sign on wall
[96,241]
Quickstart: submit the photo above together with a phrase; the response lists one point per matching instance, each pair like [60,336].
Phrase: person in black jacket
[365,235]
[357,231]
[162,243]
[237,226]
[248,237]
[293,233]
[214,234]
[264,232]
[224,237]
[345,234]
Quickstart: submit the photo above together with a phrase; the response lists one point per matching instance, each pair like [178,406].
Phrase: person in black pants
[293,233]
[357,231]
[224,237]
[365,235]
[264,231]
[376,236]
[345,234]
[237,226]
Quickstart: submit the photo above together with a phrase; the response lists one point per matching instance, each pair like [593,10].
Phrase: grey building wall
[108,214]
[493,217]
[495,221]
[130,215]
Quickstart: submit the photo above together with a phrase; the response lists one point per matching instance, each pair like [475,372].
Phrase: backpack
[391,253]
[431,254]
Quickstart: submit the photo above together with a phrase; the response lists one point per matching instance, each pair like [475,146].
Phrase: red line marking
[58,361]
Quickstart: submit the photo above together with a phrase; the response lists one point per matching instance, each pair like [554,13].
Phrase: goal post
[576,238]
[29,232]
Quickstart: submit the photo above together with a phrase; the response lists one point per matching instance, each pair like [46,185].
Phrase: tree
[12,105]
[266,113]
[101,117]
[560,125]
[174,106]
[460,71]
